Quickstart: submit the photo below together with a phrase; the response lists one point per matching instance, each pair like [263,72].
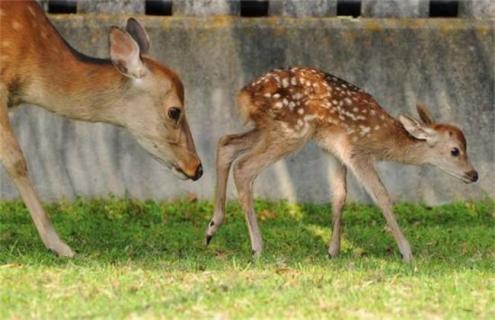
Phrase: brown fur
[452,131]
[38,66]
[290,107]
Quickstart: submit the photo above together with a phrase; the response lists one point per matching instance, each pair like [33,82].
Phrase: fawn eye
[174,113]
[454,152]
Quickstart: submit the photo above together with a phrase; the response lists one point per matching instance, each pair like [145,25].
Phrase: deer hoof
[62,250]
[332,255]
[256,254]
[333,252]
[208,239]
[407,258]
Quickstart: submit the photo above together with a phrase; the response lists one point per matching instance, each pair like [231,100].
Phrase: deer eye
[174,113]
[454,152]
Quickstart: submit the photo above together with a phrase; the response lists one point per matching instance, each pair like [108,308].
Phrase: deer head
[446,145]
[153,102]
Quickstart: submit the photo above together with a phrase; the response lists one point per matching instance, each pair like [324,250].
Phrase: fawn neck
[395,144]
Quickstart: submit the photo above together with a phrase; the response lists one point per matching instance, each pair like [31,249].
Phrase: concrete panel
[446,63]
[394,8]
[297,8]
[111,7]
[206,8]
[480,9]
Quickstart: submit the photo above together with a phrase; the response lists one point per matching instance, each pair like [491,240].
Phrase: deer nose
[473,175]
[199,172]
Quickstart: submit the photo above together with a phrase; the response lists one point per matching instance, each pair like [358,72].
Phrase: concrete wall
[293,8]
[445,63]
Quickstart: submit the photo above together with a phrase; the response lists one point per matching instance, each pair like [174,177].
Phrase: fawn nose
[472,175]
[199,172]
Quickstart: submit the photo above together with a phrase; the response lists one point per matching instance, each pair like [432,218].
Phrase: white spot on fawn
[364,130]
[278,105]
[286,128]
[31,11]
[16,25]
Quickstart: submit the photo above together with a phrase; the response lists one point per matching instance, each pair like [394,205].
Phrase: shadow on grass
[170,235]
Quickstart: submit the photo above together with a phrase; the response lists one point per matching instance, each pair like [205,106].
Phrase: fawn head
[154,102]
[446,145]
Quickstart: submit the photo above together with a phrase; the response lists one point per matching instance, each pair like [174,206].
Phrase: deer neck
[81,88]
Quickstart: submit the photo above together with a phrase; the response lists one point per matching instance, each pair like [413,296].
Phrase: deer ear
[138,33]
[125,55]
[418,130]
[424,114]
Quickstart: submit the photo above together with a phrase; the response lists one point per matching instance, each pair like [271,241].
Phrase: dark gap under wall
[251,8]
[158,7]
[445,8]
[62,6]
[349,8]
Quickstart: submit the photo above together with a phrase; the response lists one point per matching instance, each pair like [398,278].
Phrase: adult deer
[130,90]
[290,107]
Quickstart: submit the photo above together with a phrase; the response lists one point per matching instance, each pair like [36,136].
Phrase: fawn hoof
[407,258]
[256,254]
[208,239]
[333,252]
[62,250]
[332,255]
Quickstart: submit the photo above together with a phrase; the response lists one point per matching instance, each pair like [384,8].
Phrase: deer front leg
[13,160]
[269,149]
[229,148]
[339,194]
[365,172]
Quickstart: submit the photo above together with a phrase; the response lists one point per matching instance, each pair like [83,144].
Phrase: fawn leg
[266,152]
[229,148]
[339,194]
[367,175]
[13,160]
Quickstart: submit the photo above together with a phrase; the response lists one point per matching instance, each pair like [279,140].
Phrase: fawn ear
[125,54]
[136,30]
[424,114]
[418,130]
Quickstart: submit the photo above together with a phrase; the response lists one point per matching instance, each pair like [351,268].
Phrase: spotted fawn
[290,107]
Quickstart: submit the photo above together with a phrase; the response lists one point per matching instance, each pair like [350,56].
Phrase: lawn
[147,260]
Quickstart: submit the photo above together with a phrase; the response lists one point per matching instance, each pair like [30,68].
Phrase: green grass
[146,260]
